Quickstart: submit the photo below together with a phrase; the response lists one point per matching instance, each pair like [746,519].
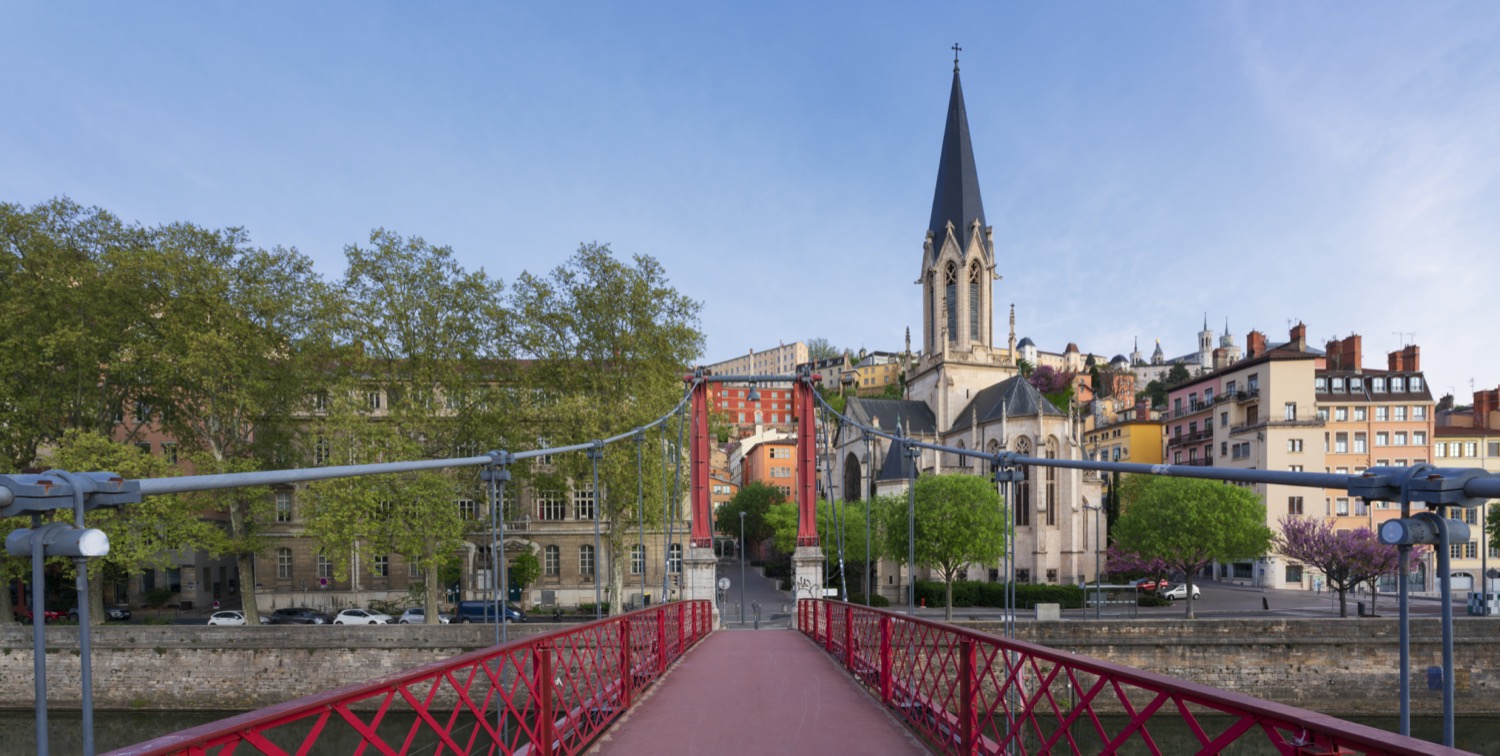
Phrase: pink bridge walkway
[761,692]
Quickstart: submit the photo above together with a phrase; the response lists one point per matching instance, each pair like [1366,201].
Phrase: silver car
[417,615]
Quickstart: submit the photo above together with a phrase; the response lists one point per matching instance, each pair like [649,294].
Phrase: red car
[1149,585]
[23,614]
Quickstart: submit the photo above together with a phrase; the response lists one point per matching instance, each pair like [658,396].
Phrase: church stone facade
[965,392]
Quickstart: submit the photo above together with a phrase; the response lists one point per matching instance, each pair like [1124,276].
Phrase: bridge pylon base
[807,573]
[700,577]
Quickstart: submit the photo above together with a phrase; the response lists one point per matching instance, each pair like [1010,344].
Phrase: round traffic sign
[723,584]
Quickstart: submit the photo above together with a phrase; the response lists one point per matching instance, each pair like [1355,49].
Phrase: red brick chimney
[1408,359]
[1255,344]
[1299,337]
[1485,402]
[1345,353]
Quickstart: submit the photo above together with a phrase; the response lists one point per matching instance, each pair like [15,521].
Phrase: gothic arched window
[950,299]
[974,302]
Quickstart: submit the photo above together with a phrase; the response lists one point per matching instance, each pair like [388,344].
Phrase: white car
[417,615]
[361,617]
[1179,591]
[231,617]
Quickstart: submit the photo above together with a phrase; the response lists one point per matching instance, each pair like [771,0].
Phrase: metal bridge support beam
[808,561]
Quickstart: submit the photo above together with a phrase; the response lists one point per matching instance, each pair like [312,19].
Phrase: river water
[116,729]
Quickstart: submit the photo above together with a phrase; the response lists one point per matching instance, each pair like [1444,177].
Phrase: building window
[1360,414]
[382,566]
[583,503]
[1382,414]
[1419,412]
[1291,410]
[1341,443]
[1341,507]
[1398,384]
[1419,438]
[284,564]
[1294,505]
[413,570]
[674,559]
[1400,439]
[1439,450]
[283,506]
[321,452]
[974,302]
[1471,549]
[1338,385]
[169,452]
[1382,439]
[586,561]
[1294,573]
[637,559]
[1051,478]
[551,561]
[950,300]
[1294,468]
[549,505]
[468,509]
[325,567]
[1494,448]
[1399,413]
[1471,448]
[1360,443]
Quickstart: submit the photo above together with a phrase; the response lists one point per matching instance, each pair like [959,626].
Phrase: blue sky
[1141,163]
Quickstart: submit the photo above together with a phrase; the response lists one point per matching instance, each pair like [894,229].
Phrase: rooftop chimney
[1485,404]
[1299,337]
[1255,344]
[1406,359]
[1345,353]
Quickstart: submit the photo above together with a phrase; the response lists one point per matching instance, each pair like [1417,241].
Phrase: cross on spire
[956,49]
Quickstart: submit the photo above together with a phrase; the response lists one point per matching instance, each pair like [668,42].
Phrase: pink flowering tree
[1118,560]
[1345,557]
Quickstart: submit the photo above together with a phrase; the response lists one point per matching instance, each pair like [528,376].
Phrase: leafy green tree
[141,536]
[71,323]
[821,349]
[524,570]
[756,500]
[783,522]
[1190,523]
[431,346]
[959,520]
[235,344]
[1177,376]
[608,342]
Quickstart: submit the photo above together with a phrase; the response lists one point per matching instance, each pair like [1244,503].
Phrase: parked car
[233,617]
[299,615]
[484,611]
[418,615]
[112,613]
[1149,585]
[358,616]
[1179,591]
[23,614]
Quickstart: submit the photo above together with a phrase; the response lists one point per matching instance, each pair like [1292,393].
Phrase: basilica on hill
[964,391]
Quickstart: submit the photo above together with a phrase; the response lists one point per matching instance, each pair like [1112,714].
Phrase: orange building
[773,463]
[772,406]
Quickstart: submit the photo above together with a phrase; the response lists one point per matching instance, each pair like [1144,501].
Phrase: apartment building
[745,406]
[780,360]
[1373,418]
[1470,437]
[1128,439]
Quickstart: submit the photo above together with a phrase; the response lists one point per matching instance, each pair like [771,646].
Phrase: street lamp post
[1098,588]
[742,567]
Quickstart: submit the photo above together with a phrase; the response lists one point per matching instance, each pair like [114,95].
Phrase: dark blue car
[485,611]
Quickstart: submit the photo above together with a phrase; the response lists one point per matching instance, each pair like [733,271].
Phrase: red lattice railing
[543,695]
[967,693]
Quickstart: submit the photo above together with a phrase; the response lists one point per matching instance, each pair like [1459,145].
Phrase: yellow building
[1137,441]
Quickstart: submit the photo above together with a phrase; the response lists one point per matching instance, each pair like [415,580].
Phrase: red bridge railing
[544,695]
[969,693]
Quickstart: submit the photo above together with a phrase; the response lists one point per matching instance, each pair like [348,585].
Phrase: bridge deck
[768,691]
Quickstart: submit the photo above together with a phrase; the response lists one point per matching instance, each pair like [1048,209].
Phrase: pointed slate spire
[956,198]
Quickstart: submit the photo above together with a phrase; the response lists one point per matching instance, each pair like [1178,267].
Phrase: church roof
[1015,395]
[896,466]
[956,197]
[1025,342]
[890,414]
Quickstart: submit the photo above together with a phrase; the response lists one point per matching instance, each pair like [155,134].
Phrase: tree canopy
[1345,557]
[756,500]
[1190,523]
[959,520]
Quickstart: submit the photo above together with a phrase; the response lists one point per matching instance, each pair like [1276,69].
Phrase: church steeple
[958,256]
[956,198]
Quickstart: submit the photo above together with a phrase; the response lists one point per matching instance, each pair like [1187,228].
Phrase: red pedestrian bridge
[851,680]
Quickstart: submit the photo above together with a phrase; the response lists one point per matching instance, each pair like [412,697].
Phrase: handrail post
[544,691]
[627,676]
[966,678]
[828,626]
[885,659]
[661,642]
[848,637]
